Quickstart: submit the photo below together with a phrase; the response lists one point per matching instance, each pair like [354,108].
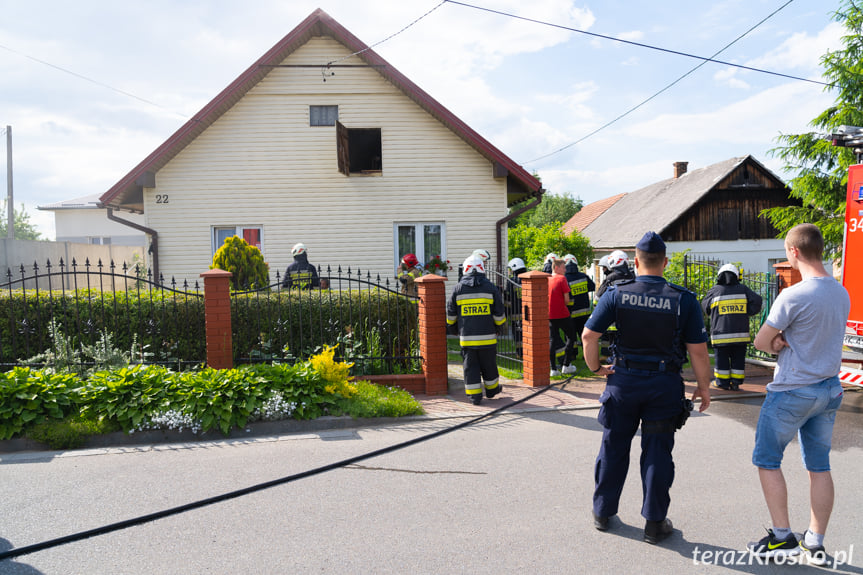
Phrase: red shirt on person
[558,287]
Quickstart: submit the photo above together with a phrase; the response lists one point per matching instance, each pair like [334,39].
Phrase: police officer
[580,287]
[301,274]
[658,323]
[476,308]
[729,304]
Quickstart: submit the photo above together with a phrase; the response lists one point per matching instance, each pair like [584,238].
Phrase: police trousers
[630,398]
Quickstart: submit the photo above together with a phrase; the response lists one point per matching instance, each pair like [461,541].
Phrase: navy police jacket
[476,306]
[655,320]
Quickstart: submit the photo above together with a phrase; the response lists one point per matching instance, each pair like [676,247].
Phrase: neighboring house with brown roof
[712,211]
[321,141]
[585,216]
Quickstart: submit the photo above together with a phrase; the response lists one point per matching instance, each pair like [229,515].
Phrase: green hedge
[169,327]
[165,326]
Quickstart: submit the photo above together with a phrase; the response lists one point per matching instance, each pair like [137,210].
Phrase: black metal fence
[91,316]
[509,342]
[374,325]
[699,276]
[83,317]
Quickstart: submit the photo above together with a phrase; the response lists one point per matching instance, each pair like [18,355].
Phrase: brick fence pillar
[534,328]
[217,311]
[432,332]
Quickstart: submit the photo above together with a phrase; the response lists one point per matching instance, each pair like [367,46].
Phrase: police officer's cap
[651,243]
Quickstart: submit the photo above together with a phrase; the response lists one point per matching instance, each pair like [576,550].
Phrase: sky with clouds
[90,88]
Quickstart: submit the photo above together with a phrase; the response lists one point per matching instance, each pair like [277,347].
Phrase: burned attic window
[359,150]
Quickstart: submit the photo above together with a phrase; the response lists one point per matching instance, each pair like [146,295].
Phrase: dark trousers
[561,349]
[627,400]
[729,364]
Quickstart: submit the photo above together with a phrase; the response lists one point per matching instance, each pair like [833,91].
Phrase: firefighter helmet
[298,249]
[516,264]
[473,265]
[729,268]
[603,262]
[482,254]
[549,257]
[410,260]
[570,259]
[617,258]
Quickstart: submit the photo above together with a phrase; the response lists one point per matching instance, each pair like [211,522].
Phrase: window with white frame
[323,115]
[252,234]
[425,240]
[99,240]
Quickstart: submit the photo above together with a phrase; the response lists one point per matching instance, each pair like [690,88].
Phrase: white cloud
[632,36]
[757,119]
[801,51]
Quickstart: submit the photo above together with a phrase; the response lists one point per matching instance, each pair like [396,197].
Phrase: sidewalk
[578,393]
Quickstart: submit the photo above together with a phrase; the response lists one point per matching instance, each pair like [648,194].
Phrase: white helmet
[603,262]
[617,258]
[570,259]
[516,264]
[728,268]
[550,256]
[482,254]
[298,249]
[473,265]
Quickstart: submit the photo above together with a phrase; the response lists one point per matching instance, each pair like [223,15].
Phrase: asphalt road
[507,495]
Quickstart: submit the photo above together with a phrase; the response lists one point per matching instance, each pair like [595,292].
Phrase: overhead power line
[91,80]
[641,45]
[667,87]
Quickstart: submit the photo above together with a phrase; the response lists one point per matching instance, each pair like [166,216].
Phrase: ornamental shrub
[244,261]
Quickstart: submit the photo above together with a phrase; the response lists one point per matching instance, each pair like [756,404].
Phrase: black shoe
[476,399]
[735,387]
[489,393]
[656,531]
[600,522]
[769,546]
[816,554]
[724,386]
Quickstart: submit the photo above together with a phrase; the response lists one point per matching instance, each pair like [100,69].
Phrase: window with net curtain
[426,240]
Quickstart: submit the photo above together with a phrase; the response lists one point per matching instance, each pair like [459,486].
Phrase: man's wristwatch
[596,370]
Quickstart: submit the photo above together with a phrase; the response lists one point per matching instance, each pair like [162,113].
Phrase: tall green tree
[532,244]
[822,169]
[553,208]
[24,230]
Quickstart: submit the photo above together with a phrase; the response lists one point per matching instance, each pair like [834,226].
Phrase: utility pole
[10,205]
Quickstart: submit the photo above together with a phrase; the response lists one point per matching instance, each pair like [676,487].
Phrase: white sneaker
[554,373]
[569,369]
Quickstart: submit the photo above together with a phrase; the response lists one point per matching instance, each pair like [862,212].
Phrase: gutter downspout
[154,240]
[502,221]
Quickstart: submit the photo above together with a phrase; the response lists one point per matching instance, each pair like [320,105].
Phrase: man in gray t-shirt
[811,317]
[805,328]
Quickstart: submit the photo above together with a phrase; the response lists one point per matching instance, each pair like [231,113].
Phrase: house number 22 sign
[161,198]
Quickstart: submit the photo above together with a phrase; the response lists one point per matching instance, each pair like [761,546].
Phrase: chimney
[679,169]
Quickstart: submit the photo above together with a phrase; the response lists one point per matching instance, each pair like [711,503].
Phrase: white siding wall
[77,225]
[262,164]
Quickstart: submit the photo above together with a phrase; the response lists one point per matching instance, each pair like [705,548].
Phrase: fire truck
[852,255]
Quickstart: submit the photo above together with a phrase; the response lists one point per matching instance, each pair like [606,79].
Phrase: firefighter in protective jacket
[476,308]
[729,304]
[301,274]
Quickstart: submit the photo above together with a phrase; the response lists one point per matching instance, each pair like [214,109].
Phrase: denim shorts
[808,412]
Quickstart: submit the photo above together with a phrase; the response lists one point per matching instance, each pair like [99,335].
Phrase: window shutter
[343,149]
